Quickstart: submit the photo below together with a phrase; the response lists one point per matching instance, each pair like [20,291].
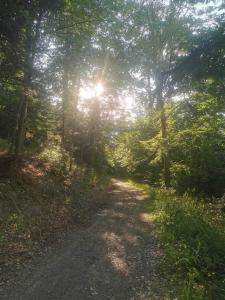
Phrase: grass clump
[192,236]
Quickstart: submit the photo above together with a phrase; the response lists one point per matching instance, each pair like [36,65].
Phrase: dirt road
[114,258]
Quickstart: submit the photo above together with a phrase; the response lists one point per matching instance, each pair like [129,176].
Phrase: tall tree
[161,34]
[33,14]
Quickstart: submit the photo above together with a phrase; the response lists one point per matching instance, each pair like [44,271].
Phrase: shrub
[192,236]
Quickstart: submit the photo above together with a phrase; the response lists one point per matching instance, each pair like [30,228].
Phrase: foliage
[192,236]
[43,202]
[48,51]
[53,156]
[130,153]
[196,144]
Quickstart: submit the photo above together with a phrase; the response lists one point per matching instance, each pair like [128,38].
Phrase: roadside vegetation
[41,203]
[191,234]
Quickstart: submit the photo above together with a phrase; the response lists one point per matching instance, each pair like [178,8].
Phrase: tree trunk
[74,98]
[64,107]
[22,110]
[30,49]
[22,113]
[65,103]
[65,94]
[94,129]
[166,159]
[164,134]
[150,98]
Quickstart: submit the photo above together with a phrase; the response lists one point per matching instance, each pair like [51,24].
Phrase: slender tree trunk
[65,95]
[166,159]
[22,110]
[64,107]
[65,104]
[150,98]
[30,49]
[94,129]
[22,113]
[74,98]
[164,134]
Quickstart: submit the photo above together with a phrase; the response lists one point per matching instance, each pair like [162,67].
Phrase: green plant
[192,236]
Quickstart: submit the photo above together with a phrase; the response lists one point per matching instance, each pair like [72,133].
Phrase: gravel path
[114,258]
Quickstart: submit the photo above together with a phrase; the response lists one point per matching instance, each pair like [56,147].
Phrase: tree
[164,33]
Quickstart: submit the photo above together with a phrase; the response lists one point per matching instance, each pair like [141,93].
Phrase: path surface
[114,258]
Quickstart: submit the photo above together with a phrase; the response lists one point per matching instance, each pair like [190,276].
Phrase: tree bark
[31,40]
[164,134]
[150,98]
[94,129]
[22,110]
[65,97]
[74,98]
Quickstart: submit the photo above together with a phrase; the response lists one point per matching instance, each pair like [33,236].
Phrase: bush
[53,156]
[194,246]
[192,235]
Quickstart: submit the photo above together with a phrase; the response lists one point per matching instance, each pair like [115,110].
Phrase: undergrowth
[4,144]
[192,235]
[42,201]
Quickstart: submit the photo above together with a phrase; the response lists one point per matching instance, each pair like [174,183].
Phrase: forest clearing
[112,149]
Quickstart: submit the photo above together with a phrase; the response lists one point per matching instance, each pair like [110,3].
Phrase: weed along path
[114,258]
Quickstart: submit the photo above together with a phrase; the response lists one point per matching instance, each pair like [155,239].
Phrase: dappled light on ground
[147,218]
[115,258]
[116,253]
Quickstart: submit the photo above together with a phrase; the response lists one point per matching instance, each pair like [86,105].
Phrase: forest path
[114,258]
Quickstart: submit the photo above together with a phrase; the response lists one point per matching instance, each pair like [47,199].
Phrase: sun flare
[87,92]
[99,89]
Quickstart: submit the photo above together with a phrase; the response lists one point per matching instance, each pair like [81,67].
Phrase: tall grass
[192,236]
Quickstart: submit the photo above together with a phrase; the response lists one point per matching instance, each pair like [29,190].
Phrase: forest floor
[115,256]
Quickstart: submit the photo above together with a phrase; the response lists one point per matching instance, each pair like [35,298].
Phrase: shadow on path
[115,258]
